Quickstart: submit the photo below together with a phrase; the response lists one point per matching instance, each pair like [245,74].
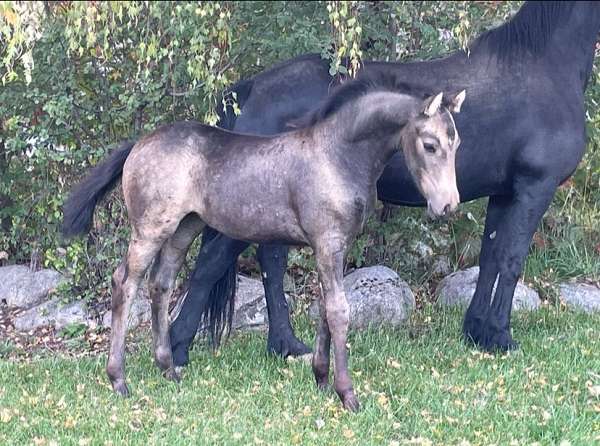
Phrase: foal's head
[429,142]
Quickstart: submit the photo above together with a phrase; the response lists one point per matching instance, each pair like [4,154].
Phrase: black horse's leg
[514,234]
[281,340]
[488,270]
[214,259]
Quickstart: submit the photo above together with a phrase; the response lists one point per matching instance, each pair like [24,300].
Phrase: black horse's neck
[575,39]
[562,33]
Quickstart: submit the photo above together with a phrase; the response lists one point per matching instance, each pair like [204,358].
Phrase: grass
[418,385]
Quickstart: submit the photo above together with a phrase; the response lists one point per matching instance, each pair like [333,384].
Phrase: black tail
[217,314]
[79,208]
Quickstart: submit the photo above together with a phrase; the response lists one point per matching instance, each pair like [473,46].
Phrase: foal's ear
[455,101]
[432,104]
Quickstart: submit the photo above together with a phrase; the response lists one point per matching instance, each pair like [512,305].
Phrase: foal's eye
[429,148]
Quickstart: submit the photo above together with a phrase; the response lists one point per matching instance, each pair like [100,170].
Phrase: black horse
[522,130]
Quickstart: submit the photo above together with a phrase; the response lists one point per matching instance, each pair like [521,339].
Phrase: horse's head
[429,142]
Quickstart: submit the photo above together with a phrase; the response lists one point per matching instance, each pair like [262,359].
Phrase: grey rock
[424,251]
[289,286]
[458,288]
[441,266]
[139,312]
[22,288]
[581,296]
[251,306]
[377,296]
[54,313]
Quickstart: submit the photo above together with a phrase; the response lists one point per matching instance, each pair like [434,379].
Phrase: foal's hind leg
[162,280]
[125,282]
[320,360]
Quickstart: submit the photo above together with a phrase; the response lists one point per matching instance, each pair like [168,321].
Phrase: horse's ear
[432,104]
[455,101]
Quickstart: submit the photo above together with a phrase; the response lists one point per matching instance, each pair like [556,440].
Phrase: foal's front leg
[330,264]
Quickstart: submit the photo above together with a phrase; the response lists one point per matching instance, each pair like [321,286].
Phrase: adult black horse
[522,131]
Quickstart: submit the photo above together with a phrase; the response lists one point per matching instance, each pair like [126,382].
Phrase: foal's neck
[367,132]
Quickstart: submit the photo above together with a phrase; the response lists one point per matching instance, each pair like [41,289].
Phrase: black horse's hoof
[498,342]
[472,330]
[287,345]
[471,336]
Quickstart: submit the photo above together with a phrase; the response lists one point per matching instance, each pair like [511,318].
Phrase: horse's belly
[255,222]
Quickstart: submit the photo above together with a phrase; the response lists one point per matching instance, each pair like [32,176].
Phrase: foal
[313,186]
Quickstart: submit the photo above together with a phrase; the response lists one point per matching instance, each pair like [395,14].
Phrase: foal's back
[226,178]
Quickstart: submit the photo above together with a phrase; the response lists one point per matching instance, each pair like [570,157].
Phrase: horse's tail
[216,315]
[79,208]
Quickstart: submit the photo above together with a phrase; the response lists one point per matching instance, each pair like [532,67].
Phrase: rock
[54,313]
[424,251]
[581,296]
[250,305]
[140,311]
[377,296]
[289,286]
[441,266]
[458,288]
[22,288]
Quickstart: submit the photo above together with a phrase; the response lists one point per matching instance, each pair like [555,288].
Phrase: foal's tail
[79,208]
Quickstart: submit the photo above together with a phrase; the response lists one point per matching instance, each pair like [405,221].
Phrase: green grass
[418,385]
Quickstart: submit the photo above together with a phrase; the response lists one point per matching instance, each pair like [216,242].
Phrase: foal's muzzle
[444,209]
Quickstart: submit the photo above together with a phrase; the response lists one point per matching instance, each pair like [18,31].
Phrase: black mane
[529,31]
[352,90]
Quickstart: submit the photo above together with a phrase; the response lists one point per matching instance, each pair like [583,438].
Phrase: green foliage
[81,77]
[346,31]
[72,331]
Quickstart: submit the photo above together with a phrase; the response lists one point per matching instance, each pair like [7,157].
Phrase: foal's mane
[354,89]
[529,31]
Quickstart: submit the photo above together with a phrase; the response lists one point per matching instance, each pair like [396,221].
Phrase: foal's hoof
[173,374]
[120,388]
[350,401]
[321,374]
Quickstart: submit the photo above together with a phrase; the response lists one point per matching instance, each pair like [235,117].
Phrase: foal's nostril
[446,210]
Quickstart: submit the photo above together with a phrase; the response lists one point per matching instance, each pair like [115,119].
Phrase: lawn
[418,385]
